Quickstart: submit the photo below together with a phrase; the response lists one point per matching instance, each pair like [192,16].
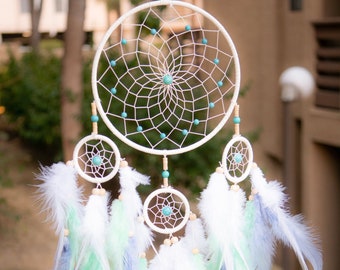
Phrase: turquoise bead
[184,132]
[196,122]
[238,158]
[94,118]
[167,211]
[124,41]
[153,31]
[167,79]
[113,91]
[124,114]
[236,120]
[187,27]
[216,61]
[220,83]
[139,128]
[165,174]
[96,160]
[113,63]
[204,41]
[211,105]
[162,135]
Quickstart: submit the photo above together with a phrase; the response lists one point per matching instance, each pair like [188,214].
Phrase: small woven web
[167,81]
[237,159]
[96,158]
[166,211]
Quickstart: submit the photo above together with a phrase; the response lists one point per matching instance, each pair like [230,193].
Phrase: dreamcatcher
[165,80]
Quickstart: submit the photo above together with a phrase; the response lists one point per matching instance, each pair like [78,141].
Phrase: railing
[327,34]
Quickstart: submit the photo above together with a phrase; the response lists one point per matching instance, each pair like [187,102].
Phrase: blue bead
[211,105]
[139,128]
[96,160]
[113,91]
[94,118]
[238,158]
[124,114]
[220,83]
[167,79]
[187,27]
[165,174]
[204,41]
[113,63]
[124,41]
[196,122]
[236,120]
[167,211]
[184,132]
[153,31]
[216,61]
[162,135]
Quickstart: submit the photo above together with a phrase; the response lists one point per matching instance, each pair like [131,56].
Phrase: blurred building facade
[270,37]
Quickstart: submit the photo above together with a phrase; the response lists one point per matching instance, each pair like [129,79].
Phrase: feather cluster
[290,230]
[242,235]
[127,234]
[233,234]
[61,199]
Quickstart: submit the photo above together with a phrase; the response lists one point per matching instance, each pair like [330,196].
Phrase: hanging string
[165,173]
[94,118]
[237,119]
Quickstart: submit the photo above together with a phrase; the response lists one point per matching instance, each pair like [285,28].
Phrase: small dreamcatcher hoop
[166,210]
[237,157]
[166,77]
[96,157]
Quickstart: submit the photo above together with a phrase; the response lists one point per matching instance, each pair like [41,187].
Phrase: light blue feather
[287,228]
[131,256]
[64,261]
[260,242]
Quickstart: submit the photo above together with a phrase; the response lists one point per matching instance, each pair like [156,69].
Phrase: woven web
[166,211]
[237,159]
[96,158]
[164,78]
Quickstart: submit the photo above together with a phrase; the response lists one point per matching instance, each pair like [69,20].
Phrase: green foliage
[30,91]
[32,99]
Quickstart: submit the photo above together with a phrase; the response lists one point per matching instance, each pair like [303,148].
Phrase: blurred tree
[35,8]
[71,80]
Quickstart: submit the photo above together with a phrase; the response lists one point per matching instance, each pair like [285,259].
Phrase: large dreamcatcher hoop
[96,157]
[166,77]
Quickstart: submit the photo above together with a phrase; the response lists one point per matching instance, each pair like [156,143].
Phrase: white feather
[222,210]
[132,203]
[129,180]
[93,231]
[195,236]
[59,195]
[58,192]
[143,236]
[173,257]
[289,229]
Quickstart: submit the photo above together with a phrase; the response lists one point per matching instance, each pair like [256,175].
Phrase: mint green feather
[143,264]
[118,235]
[73,225]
